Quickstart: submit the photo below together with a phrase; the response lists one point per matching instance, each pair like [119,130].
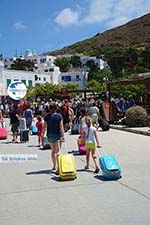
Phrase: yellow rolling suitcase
[67,167]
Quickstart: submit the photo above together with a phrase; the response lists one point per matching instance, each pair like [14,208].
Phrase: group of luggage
[109,165]
[24,133]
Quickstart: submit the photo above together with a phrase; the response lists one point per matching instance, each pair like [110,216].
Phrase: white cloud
[127,10]
[20,26]
[111,12]
[67,17]
[115,22]
[98,11]
[132,8]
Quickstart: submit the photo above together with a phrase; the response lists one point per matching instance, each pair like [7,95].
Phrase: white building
[101,64]
[30,79]
[42,62]
[78,78]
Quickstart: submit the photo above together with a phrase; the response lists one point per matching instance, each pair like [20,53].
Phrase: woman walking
[53,122]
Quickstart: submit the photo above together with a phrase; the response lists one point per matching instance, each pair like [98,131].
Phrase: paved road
[30,194]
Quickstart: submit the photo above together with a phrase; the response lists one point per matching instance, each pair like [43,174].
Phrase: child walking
[91,140]
[39,125]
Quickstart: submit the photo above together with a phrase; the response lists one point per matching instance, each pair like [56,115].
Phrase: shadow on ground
[100,177]
[76,153]
[39,172]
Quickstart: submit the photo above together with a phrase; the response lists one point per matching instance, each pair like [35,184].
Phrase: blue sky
[49,25]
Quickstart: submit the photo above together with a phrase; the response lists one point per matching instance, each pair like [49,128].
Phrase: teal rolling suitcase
[110,167]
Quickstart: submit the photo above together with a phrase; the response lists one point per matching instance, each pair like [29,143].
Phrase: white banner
[7,158]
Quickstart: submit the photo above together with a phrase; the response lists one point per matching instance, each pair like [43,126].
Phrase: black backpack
[103,124]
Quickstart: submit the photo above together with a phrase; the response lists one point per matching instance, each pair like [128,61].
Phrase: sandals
[53,168]
[86,167]
[96,171]
[57,172]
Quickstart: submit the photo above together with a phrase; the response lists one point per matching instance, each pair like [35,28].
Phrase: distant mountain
[135,33]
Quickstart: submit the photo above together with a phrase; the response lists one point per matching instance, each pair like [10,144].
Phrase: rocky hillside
[135,33]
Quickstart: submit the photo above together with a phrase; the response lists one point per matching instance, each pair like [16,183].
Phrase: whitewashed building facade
[78,78]
[101,64]
[30,79]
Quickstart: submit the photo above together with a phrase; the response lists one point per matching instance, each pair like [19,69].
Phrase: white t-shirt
[82,122]
[90,137]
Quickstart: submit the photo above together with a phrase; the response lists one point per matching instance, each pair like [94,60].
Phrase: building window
[8,82]
[66,78]
[30,83]
[44,78]
[77,77]
[39,78]
[24,81]
[51,70]
[36,77]
[45,70]
[42,60]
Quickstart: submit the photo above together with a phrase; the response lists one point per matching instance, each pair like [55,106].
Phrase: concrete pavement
[136,130]
[30,194]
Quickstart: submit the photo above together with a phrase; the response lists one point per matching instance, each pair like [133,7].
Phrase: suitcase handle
[102,150]
[63,141]
[65,147]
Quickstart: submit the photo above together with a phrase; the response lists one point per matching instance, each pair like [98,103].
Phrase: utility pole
[1,77]
[16,52]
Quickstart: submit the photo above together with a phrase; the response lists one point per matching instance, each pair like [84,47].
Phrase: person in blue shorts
[53,122]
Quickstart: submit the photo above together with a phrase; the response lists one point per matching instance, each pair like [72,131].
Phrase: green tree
[145,57]
[71,86]
[96,86]
[131,60]
[114,59]
[136,91]
[91,64]
[121,60]
[75,61]
[99,75]
[63,63]
[45,90]
[22,64]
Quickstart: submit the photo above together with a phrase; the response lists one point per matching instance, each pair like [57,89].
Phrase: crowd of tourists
[54,117]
